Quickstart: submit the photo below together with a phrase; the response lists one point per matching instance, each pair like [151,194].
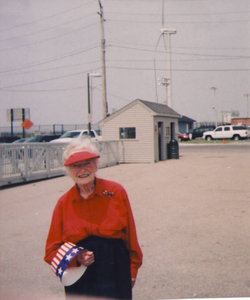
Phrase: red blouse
[105,213]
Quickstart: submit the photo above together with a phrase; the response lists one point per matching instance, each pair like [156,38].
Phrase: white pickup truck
[67,136]
[234,132]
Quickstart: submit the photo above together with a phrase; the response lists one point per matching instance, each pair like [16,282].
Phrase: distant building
[226,117]
[240,121]
[186,124]
[145,128]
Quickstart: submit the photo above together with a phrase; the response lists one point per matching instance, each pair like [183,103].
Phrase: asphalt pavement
[193,223]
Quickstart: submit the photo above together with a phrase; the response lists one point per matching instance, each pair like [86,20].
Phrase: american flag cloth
[63,257]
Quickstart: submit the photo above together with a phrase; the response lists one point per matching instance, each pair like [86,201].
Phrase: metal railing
[32,161]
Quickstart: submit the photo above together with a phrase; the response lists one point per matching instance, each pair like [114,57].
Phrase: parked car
[182,137]
[198,132]
[69,135]
[8,139]
[19,141]
[42,138]
[227,132]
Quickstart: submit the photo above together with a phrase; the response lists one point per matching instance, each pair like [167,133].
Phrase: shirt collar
[99,189]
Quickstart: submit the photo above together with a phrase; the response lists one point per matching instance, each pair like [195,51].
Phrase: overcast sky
[48,47]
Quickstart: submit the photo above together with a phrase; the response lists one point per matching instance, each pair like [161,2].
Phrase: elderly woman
[92,244]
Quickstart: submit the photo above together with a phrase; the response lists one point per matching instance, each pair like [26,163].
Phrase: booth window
[127,133]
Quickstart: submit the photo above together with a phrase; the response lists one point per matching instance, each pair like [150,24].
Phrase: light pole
[215,110]
[165,82]
[168,84]
[89,84]
[247,95]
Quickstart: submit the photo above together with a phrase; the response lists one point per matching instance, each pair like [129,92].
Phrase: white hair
[80,144]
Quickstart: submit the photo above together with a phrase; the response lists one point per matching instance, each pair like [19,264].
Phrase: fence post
[26,166]
[47,157]
[118,154]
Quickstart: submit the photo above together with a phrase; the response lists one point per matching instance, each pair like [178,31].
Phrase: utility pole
[247,95]
[103,66]
[89,111]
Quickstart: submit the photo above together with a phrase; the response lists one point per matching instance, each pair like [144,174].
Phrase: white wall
[140,149]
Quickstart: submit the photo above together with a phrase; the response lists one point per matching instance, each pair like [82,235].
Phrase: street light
[247,95]
[89,84]
[215,111]
[165,82]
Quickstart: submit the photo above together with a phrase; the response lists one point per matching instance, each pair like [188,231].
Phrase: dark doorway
[172,137]
[160,139]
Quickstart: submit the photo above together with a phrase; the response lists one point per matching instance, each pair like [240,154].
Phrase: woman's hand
[85,258]
[133,282]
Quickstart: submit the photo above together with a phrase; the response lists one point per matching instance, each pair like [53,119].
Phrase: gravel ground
[193,224]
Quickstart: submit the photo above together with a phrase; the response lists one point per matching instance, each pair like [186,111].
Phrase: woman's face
[83,172]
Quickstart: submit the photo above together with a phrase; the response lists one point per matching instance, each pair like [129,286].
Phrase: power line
[45,80]
[46,18]
[119,97]
[179,22]
[49,60]
[46,29]
[214,57]
[161,0]
[48,39]
[6,88]
[181,53]
[193,14]
[113,60]
[180,70]
[45,90]
[181,47]
[51,69]
[181,60]
[8,71]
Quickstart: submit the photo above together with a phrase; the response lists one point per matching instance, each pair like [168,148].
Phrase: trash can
[173,149]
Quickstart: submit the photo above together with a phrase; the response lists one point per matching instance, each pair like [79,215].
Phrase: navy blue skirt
[109,276]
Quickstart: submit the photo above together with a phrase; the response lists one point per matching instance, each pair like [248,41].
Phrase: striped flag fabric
[63,257]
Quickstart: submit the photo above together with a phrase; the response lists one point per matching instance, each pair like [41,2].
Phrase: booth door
[160,141]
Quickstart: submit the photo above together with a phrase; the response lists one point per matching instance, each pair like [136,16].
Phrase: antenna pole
[156,94]
[103,67]
[215,110]
[89,105]
[169,86]
[168,81]
[162,16]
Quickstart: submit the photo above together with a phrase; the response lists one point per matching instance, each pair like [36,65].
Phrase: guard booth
[144,128]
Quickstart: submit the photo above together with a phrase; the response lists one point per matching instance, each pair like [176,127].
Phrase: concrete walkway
[193,224]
